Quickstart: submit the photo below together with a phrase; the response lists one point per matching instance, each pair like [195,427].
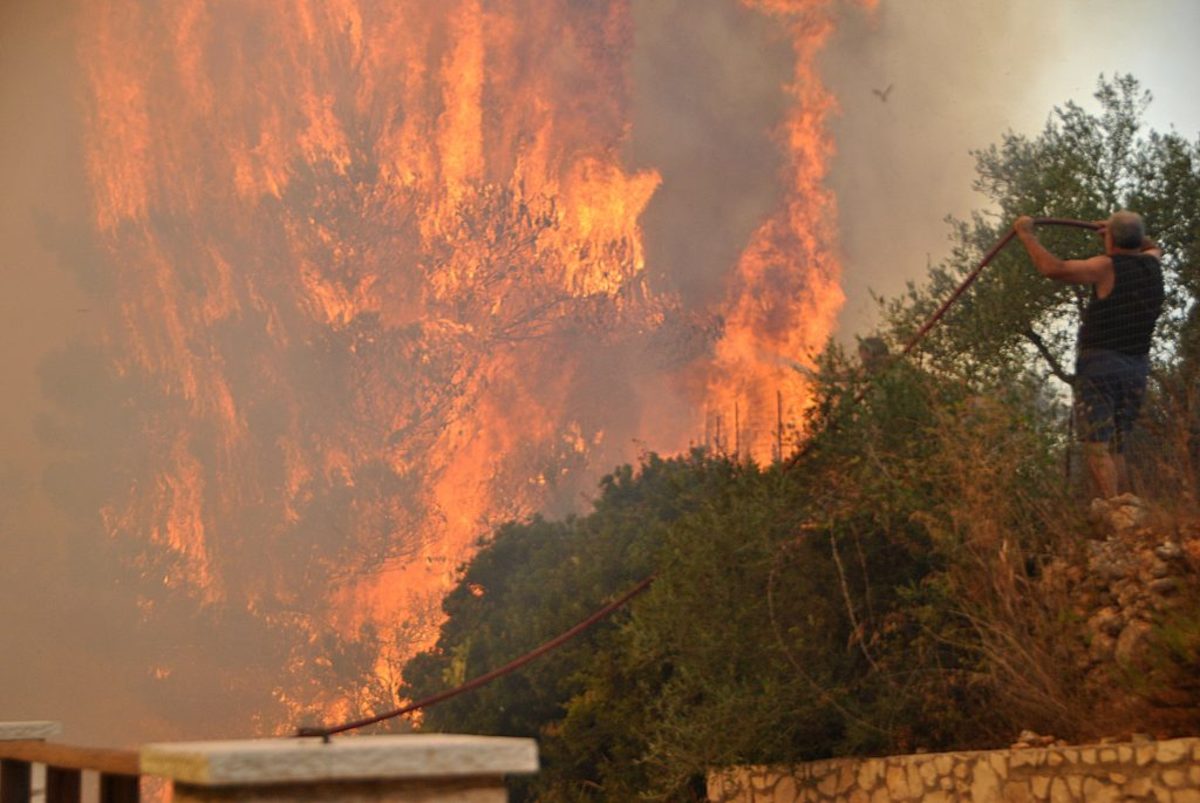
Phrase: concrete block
[29,730]
[274,761]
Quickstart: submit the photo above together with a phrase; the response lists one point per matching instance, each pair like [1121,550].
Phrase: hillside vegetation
[927,575]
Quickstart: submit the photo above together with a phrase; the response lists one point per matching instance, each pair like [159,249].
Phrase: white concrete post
[364,769]
[13,731]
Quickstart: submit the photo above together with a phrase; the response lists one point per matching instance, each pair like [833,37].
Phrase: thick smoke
[920,85]
[49,625]
[100,529]
[708,76]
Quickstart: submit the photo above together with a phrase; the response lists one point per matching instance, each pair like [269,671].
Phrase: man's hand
[1023,226]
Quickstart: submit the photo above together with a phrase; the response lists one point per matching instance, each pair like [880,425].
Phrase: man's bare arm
[1074,271]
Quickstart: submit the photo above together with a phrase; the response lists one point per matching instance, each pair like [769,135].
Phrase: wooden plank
[14,781]
[118,788]
[63,785]
[116,762]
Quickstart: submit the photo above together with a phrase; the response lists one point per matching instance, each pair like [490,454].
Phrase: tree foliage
[796,612]
[1083,165]
[878,595]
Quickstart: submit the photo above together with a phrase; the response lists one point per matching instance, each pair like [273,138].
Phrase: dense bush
[797,613]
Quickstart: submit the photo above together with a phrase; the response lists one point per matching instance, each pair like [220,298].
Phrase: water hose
[983,263]
[940,312]
[512,666]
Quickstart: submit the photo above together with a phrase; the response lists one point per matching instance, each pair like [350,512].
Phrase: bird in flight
[883,93]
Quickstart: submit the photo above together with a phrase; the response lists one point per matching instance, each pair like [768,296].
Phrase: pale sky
[963,72]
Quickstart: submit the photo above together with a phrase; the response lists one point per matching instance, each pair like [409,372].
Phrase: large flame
[377,282]
[785,293]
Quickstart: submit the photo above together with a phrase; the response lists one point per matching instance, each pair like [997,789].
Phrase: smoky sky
[952,80]
[707,78]
[961,75]
[41,308]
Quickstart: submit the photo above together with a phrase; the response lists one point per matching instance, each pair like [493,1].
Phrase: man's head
[1126,229]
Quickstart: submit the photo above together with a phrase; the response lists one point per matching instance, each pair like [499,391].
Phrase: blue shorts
[1109,388]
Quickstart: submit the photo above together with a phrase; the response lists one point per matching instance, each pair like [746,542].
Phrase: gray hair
[1127,229]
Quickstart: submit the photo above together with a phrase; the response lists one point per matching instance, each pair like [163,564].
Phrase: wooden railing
[118,770]
[65,765]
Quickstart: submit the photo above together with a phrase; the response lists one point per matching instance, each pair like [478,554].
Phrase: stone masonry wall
[1165,771]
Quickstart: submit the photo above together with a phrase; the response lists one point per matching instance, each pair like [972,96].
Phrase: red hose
[949,302]
[974,274]
[487,677]
[512,666]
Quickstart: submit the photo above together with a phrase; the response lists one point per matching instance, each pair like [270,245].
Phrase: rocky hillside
[1134,591]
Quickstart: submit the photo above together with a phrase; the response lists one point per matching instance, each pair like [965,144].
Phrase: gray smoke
[707,96]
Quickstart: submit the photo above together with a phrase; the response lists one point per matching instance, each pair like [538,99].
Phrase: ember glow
[376,281]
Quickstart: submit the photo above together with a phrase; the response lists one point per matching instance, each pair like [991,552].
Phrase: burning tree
[369,279]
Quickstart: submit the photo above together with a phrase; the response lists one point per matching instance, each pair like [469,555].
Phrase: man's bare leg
[1122,473]
[1102,468]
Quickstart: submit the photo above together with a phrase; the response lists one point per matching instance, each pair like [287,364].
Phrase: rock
[1159,568]
[1165,586]
[1132,642]
[1132,576]
[1170,551]
[1114,570]
[1119,514]
[1107,620]
[1191,550]
[1101,648]
[1028,738]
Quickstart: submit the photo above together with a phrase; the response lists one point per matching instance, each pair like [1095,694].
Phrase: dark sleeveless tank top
[1124,321]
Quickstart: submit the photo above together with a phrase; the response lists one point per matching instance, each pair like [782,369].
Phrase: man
[1114,337]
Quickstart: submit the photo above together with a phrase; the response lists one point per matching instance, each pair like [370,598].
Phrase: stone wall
[1165,771]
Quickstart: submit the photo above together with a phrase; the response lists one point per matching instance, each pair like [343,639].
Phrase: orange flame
[364,260]
[785,294]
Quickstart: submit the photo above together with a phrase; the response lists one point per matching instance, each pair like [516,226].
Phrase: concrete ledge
[29,730]
[363,758]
